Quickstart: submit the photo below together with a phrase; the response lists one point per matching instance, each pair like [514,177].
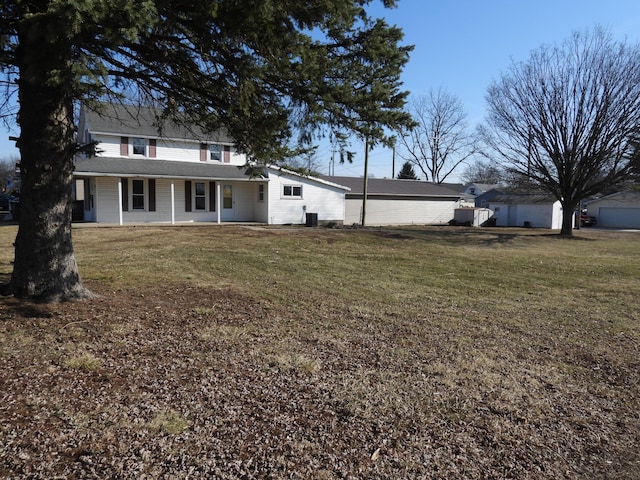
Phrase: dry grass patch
[169,422]
[84,361]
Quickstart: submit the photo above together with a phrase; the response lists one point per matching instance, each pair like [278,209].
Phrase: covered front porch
[106,192]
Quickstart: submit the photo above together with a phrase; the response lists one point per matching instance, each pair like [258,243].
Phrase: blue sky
[461,45]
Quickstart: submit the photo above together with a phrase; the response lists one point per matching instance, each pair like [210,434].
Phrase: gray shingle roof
[114,166]
[523,199]
[121,119]
[391,187]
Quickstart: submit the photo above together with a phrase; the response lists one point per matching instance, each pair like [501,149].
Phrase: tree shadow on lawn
[468,236]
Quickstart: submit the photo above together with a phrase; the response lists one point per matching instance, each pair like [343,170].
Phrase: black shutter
[187,195]
[125,194]
[212,196]
[87,194]
[152,194]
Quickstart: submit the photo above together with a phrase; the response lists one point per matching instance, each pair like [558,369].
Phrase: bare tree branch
[440,141]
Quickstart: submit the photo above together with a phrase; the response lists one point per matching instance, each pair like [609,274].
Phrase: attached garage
[398,202]
[619,210]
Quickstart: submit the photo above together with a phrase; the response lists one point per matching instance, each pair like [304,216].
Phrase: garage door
[616,217]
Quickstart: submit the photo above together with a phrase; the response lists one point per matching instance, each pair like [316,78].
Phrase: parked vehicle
[587,221]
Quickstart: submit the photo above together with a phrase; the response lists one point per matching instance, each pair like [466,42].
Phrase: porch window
[292,191]
[200,196]
[137,194]
[139,146]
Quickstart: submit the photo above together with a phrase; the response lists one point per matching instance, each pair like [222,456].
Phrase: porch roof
[154,168]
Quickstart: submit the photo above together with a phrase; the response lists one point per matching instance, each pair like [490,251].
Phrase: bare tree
[568,118]
[482,171]
[440,140]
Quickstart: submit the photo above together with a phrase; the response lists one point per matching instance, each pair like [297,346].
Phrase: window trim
[292,189]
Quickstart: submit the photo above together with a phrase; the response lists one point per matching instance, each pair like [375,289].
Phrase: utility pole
[393,161]
[366,179]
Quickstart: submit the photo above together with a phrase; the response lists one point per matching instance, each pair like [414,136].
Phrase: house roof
[122,119]
[485,186]
[392,187]
[153,168]
[524,199]
[145,167]
[629,195]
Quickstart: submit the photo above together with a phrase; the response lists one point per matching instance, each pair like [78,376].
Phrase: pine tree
[407,172]
[254,68]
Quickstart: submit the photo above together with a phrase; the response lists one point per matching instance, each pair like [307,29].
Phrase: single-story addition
[618,210]
[526,210]
[397,202]
[138,175]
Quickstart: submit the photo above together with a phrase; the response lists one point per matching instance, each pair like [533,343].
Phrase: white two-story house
[141,173]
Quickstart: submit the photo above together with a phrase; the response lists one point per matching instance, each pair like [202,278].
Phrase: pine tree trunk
[45,268]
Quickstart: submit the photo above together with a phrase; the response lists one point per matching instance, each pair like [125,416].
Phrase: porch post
[218,200]
[120,214]
[173,202]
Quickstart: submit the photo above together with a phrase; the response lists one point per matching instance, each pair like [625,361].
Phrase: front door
[227,203]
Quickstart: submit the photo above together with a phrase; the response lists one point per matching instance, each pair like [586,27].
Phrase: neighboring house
[398,202]
[184,175]
[483,199]
[526,210]
[476,189]
[466,200]
[618,210]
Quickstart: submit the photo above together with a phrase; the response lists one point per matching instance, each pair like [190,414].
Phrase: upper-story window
[139,146]
[215,152]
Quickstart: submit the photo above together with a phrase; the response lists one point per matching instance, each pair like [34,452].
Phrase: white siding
[401,211]
[175,150]
[325,200]
[108,146]
[534,215]
[106,200]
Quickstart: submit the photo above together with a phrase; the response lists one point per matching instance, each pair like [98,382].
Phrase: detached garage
[526,210]
[398,202]
[618,210]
